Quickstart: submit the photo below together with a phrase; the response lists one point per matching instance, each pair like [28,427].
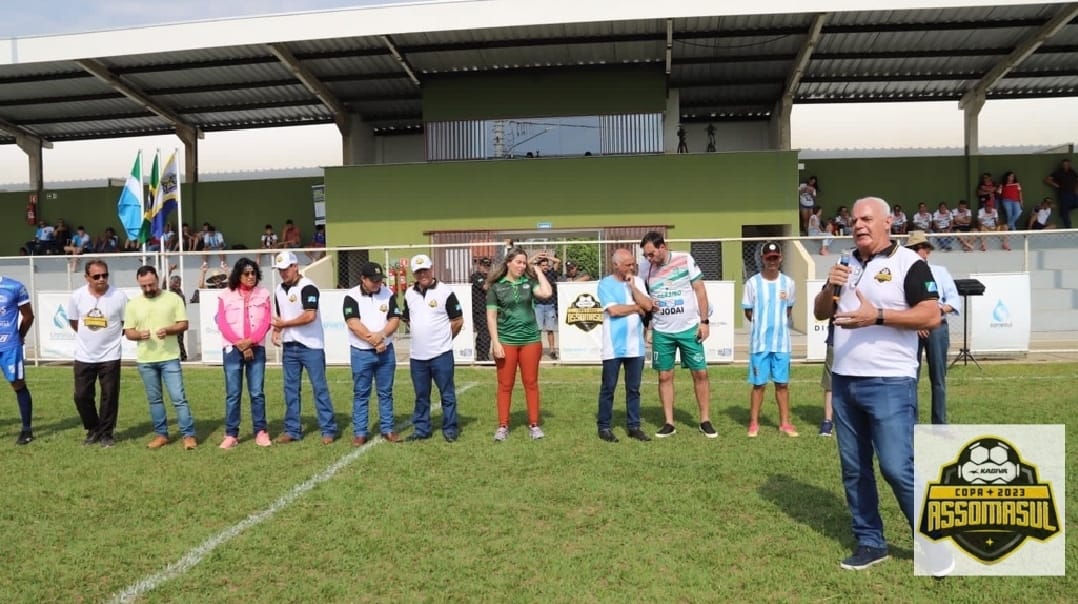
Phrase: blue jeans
[295,359]
[1014,210]
[168,372]
[440,370]
[875,412]
[935,352]
[378,367]
[634,367]
[235,367]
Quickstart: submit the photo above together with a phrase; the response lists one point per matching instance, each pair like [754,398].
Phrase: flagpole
[179,216]
[142,190]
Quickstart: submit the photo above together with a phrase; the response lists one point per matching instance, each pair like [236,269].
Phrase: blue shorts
[546,315]
[11,362]
[767,367]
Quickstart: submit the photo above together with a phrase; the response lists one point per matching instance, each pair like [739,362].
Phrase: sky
[849,126]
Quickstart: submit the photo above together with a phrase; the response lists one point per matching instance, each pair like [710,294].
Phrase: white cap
[421,262]
[285,260]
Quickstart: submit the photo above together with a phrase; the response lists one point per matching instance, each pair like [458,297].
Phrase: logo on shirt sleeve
[930,287]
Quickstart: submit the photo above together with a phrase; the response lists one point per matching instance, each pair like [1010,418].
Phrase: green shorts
[665,345]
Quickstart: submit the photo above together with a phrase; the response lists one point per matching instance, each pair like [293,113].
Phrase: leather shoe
[450,437]
[638,434]
[285,438]
[327,440]
[157,442]
[414,437]
[607,435]
[189,443]
[359,441]
[392,437]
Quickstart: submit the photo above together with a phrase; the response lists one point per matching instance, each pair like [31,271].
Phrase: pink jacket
[244,316]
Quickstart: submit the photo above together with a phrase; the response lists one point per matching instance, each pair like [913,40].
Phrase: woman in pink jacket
[243,317]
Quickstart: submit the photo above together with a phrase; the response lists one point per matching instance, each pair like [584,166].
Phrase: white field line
[193,557]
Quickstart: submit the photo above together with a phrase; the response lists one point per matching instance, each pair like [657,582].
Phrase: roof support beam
[98,69]
[405,65]
[314,85]
[781,137]
[1028,46]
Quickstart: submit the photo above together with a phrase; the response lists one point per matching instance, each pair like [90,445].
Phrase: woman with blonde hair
[512,287]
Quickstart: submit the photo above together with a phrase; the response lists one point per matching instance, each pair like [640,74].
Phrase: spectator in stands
[814,229]
[1038,219]
[986,190]
[546,309]
[1065,181]
[62,234]
[108,242]
[318,240]
[898,221]
[191,241]
[1010,194]
[942,222]
[922,220]
[806,195]
[842,221]
[290,235]
[44,241]
[168,241]
[268,241]
[80,244]
[988,218]
[962,222]
[573,272]
[212,240]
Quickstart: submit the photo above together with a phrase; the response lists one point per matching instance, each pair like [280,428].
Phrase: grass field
[565,519]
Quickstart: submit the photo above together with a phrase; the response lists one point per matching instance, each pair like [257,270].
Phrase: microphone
[844,260]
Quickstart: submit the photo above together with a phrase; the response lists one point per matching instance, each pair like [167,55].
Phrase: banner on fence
[1001,319]
[464,343]
[56,339]
[816,342]
[580,322]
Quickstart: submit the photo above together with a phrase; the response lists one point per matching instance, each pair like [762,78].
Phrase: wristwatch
[879,316]
[705,322]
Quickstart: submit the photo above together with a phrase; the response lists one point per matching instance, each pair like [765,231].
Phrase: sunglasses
[99,276]
[246,273]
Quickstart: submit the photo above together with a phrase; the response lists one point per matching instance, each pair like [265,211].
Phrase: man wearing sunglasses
[96,313]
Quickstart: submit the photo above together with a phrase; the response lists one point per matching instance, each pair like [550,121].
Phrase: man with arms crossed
[623,343]
[96,313]
[680,322]
[879,302]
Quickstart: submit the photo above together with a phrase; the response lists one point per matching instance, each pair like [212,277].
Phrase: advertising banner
[816,338]
[1001,319]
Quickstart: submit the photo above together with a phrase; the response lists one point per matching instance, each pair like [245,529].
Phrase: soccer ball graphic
[988,461]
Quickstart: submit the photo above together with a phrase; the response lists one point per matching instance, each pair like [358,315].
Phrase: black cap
[372,271]
[570,264]
[771,249]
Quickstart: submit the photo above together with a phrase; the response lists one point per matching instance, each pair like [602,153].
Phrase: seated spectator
[963,223]
[62,234]
[44,241]
[898,221]
[842,221]
[941,223]
[108,242]
[131,245]
[988,218]
[212,240]
[815,229]
[268,241]
[191,240]
[318,240]
[922,220]
[168,241]
[1038,219]
[290,235]
[79,245]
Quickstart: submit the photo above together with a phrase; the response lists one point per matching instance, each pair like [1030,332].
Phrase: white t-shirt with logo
[98,338]
[670,286]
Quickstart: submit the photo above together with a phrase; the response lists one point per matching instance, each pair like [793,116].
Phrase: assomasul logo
[1001,315]
[989,501]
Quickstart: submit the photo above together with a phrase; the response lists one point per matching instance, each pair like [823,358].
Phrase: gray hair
[882,205]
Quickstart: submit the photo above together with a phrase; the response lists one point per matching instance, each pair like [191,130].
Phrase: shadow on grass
[820,510]
[203,428]
[809,414]
[653,415]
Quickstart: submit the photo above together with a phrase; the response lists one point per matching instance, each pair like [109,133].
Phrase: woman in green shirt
[512,287]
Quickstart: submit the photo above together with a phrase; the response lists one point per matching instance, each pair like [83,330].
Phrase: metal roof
[727,67]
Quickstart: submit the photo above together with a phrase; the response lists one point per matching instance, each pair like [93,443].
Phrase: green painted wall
[240,209]
[910,180]
[545,93]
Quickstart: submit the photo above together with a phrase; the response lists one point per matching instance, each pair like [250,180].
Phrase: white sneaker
[501,434]
[535,432]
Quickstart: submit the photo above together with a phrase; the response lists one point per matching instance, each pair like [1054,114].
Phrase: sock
[26,408]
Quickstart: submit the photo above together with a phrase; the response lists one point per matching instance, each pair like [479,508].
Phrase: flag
[166,197]
[129,207]
[150,202]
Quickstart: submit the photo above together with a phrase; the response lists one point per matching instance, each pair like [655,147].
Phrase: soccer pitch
[566,519]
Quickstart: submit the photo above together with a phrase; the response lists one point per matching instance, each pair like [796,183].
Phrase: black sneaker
[450,436]
[665,431]
[708,430]
[25,437]
[106,442]
[608,435]
[638,434]
[554,354]
[91,438]
[864,557]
